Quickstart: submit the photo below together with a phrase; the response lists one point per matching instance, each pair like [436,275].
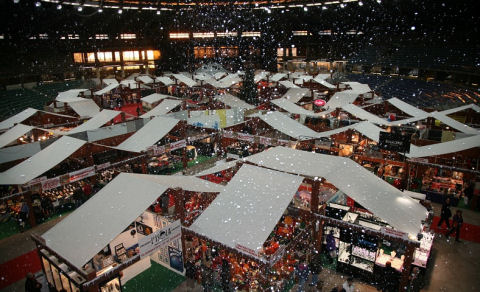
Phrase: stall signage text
[396,233]
[245,249]
[81,174]
[245,137]
[50,183]
[178,145]
[160,238]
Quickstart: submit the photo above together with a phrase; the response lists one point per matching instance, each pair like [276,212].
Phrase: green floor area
[326,263]
[155,279]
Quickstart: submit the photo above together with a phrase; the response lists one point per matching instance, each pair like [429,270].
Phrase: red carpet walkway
[130,110]
[468,232]
[16,269]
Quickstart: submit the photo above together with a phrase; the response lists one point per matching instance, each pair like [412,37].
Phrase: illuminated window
[131,56]
[325,32]
[117,56]
[203,35]
[179,35]
[78,57]
[204,52]
[352,31]
[250,34]
[153,54]
[280,52]
[91,57]
[294,52]
[228,52]
[131,67]
[300,32]
[128,36]
[2,37]
[73,36]
[101,36]
[43,36]
[227,34]
[105,56]
[32,37]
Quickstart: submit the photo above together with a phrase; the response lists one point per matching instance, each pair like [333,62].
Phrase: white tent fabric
[130,83]
[324,83]
[260,76]
[244,215]
[370,191]
[286,125]
[368,129]
[219,166]
[277,77]
[219,75]
[18,118]
[321,77]
[85,107]
[295,75]
[96,122]
[298,81]
[461,108]
[229,80]
[187,183]
[359,88]
[338,100]
[107,89]
[184,79]
[202,77]
[145,79]
[295,94]
[70,95]
[406,108]
[162,108]
[18,152]
[13,134]
[233,101]
[291,107]
[165,80]
[454,124]
[364,115]
[99,220]
[41,162]
[153,98]
[288,84]
[108,81]
[148,135]
[445,147]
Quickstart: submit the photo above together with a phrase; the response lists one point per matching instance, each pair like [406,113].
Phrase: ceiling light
[158,12]
[324,7]
[305,9]
[120,11]
[80,8]
[100,10]
[360,3]
[59,6]
[38,4]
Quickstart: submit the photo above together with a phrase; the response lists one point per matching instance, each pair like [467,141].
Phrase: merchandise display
[382,259]
[422,254]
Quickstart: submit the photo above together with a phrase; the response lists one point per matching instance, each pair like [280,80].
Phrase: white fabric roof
[445,147]
[368,129]
[85,107]
[454,124]
[148,135]
[295,94]
[187,183]
[99,220]
[184,79]
[162,108]
[202,77]
[13,134]
[338,100]
[324,83]
[260,76]
[288,84]
[165,80]
[461,108]
[108,81]
[291,107]
[286,125]
[408,109]
[370,191]
[364,115]
[233,101]
[359,88]
[107,89]
[145,79]
[249,209]
[219,75]
[70,95]
[18,152]
[321,77]
[219,166]
[229,81]
[296,75]
[153,98]
[96,122]
[18,118]
[131,83]
[41,162]
[277,76]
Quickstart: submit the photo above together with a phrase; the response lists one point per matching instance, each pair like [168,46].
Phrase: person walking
[23,215]
[456,226]
[302,272]
[416,280]
[445,214]
[331,247]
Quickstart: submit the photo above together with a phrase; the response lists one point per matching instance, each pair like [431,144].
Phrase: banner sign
[103,166]
[245,249]
[283,142]
[265,141]
[158,150]
[176,259]
[245,137]
[227,134]
[395,233]
[159,239]
[82,173]
[36,180]
[50,183]
[394,142]
[178,145]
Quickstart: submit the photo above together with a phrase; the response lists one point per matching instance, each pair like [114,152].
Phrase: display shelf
[337,206]
[363,253]
[362,264]
[350,217]
[369,225]
[421,255]
[382,260]
[343,252]
[336,231]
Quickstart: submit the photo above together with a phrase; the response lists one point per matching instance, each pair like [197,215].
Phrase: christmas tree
[248,92]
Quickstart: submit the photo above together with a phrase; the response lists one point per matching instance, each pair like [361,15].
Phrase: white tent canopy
[20,151]
[292,108]
[359,88]
[145,79]
[368,129]
[244,215]
[107,89]
[148,135]
[229,81]
[184,79]
[108,81]
[85,107]
[277,77]
[233,101]
[96,122]
[407,108]
[364,115]
[162,108]
[165,80]
[288,84]
[41,162]
[260,76]
[370,191]
[187,183]
[18,118]
[286,125]
[153,98]
[445,147]
[130,83]
[219,166]
[461,108]
[13,134]
[338,100]
[70,95]
[454,124]
[295,94]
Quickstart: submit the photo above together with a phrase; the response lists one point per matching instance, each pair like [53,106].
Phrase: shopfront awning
[233,101]
[18,152]
[153,98]
[370,191]
[359,88]
[295,94]
[277,77]
[338,100]
[219,166]
[165,80]
[162,108]
[445,147]
[407,108]
[368,129]
[187,183]
[288,84]
[461,108]
[454,124]
[186,80]
[247,211]
[18,118]
[364,115]
[13,134]
[108,81]
[41,162]
[96,122]
[260,76]
[148,135]
[229,81]
[145,79]
[107,89]
[85,107]
[288,126]
[70,95]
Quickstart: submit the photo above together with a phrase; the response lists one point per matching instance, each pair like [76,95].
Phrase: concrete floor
[453,266]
